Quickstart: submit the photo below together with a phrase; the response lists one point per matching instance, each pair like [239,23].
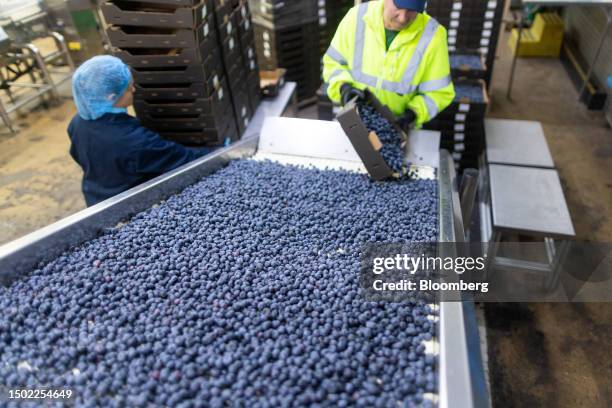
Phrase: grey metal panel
[517,142]
[529,200]
[462,379]
[270,108]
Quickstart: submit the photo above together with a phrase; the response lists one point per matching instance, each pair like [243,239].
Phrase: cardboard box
[366,143]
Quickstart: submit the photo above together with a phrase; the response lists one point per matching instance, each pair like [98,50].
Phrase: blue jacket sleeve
[154,156]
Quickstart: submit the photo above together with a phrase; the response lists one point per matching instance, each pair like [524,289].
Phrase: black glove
[348,92]
[406,121]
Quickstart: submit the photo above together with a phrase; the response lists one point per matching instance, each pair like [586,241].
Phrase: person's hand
[406,121]
[348,92]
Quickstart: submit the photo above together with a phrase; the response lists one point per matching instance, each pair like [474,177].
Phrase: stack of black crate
[172,48]
[287,36]
[473,31]
[331,13]
[237,41]
[461,124]
[473,27]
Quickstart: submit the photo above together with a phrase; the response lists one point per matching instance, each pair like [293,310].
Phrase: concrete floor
[539,354]
[39,181]
[556,355]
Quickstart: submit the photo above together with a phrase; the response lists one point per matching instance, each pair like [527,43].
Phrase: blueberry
[391,140]
[235,292]
[473,62]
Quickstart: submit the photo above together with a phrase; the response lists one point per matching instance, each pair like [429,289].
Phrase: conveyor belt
[461,377]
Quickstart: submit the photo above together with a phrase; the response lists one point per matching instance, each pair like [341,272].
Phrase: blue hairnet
[98,84]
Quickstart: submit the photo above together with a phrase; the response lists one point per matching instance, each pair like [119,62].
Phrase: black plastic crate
[129,13]
[465,158]
[179,122]
[146,37]
[231,132]
[473,40]
[205,106]
[283,14]
[245,26]
[459,117]
[230,50]
[237,76]
[467,127]
[210,71]
[217,118]
[199,137]
[168,93]
[461,137]
[242,109]
[169,57]
[244,10]
[475,16]
[254,90]
[288,39]
[441,8]
[228,27]
[223,9]
[196,106]
[247,38]
[249,56]
[467,105]
[473,144]
[468,65]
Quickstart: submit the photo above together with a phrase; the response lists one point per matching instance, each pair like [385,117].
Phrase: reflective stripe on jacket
[414,73]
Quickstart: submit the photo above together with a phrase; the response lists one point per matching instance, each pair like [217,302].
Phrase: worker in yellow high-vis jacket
[398,52]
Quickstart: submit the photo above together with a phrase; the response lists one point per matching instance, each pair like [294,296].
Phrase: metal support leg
[60,42]
[555,266]
[599,47]
[8,88]
[43,69]
[6,119]
[492,249]
[467,192]
[515,56]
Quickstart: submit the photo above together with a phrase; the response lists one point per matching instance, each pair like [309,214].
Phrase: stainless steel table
[517,142]
[527,201]
[605,4]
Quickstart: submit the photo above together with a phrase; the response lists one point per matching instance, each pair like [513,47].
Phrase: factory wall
[584,25]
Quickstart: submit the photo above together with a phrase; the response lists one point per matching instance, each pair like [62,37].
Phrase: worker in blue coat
[115,152]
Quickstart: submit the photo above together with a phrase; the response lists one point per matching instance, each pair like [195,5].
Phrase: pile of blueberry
[458,61]
[391,151]
[243,290]
[473,93]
